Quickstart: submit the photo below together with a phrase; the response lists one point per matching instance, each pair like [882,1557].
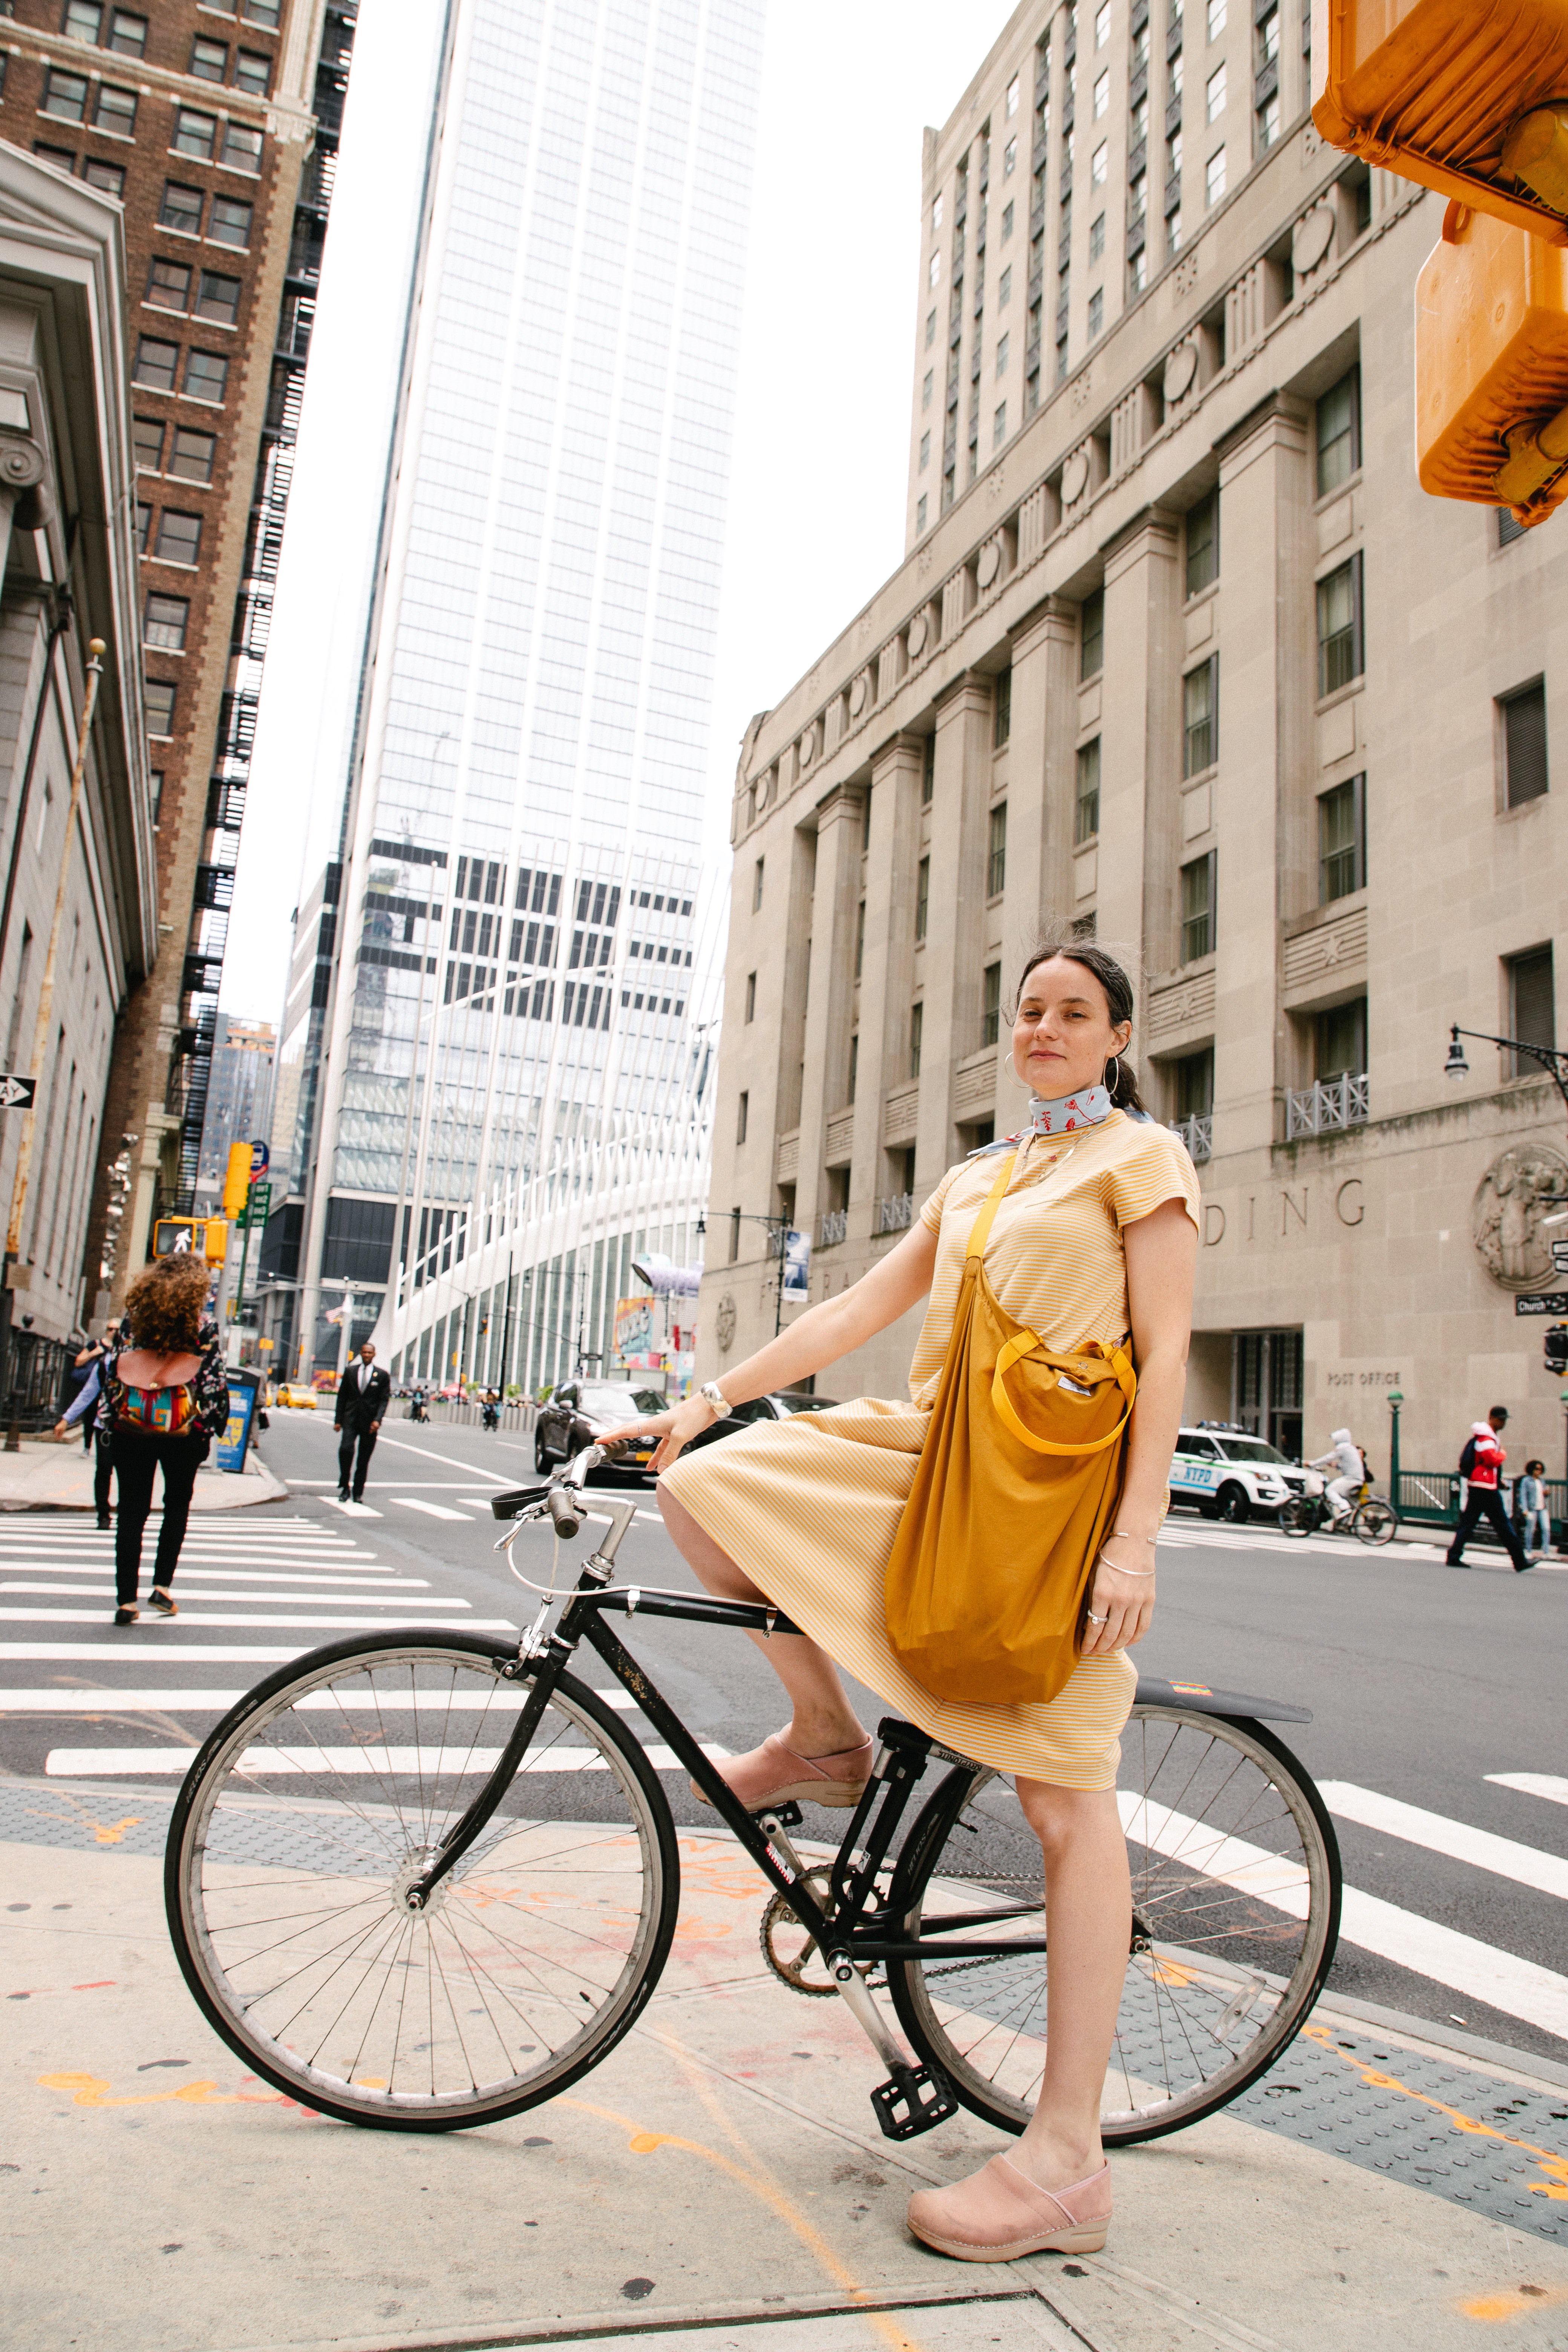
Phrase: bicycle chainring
[789,1950]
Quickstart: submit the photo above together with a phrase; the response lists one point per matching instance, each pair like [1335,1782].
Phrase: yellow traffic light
[1491,368]
[1470,100]
[205,1236]
[237,1180]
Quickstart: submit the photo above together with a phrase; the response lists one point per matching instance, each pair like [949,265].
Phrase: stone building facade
[213,123]
[1179,657]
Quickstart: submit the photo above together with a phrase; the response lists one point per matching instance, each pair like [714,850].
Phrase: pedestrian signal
[1491,367]
[208,1237]
[1466,100]
[1556,1348]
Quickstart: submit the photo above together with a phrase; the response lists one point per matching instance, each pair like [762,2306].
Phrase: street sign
[17,1094]
[1559,1256]
[257,1207]
[260,1160]
[1542,1302]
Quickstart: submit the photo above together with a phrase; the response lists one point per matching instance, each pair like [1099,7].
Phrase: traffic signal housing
[206,1236]
[1465,97]
[1556,1348]
[1491,367]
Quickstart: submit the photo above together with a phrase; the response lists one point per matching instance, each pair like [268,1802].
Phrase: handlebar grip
[563,1512]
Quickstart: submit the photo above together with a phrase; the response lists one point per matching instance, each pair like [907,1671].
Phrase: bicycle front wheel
[326,1791]
[1374,1521]
[1235,1905]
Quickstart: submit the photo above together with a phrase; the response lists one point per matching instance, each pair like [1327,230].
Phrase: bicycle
[1373,1518]
[423,1879]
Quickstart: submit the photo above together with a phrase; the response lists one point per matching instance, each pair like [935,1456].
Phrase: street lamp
[1554,1063]
[1396,1399]
[777,1229]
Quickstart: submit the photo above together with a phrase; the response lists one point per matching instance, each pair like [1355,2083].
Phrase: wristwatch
[714,1395]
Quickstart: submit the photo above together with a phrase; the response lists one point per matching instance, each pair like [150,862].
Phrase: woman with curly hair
[165,1399]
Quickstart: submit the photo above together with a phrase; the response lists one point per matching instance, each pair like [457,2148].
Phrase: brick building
[215,126]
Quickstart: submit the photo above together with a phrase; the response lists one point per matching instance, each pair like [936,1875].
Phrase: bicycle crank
[790,1950]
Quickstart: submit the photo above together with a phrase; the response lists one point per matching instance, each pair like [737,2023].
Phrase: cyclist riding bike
[1345,1459]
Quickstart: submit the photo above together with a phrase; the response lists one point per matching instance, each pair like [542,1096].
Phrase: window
[179,538]
[999,426]
[169,285]
[1214,178]
[1137,197]
[209,61]
[264,13]
[155,364]
[860,938]
[922,898]
[1532,1010]
[1086,812]
[1102,24]
[1002,716]
[160,700]
[241,148]
[1268,123]
[1339,433]
[917,1031]
[757,885]
[750,996]
[1174,233]
[230,222]
[931,329]
[128,34]
[181,209]
[1200,718]
[926,387]
[1198,908]
[1341,1040]
[1097,237]
[1341,654]
[1091,645]
[1524,745]
[1192,1085]
[933,274]
[1097,165]
[1096,312]
[83,20]
[1009,159]
[854,1078]
[742,1113]
[1216,18]
[1213,95]
[207,374]
[925,449]
[143,524]
[115,110]
[165,623]
[921,516]
[997,858]
[1005,287]
[218,299]
[252,73]
[65,96]
[1203,544]
[734,1235]
[1266,37]
[156,781]
[936,216]
[991,1004]
[191,455]
[1101,95]
[1011,98]
[64,160]
[1003,345]
[194,134]
[147,435]
[1007,230]
[109,177]
[1342,840]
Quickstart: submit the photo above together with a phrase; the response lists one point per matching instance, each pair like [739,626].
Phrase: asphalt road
[1424,1682]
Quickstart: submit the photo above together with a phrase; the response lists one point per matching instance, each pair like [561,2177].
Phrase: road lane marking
[357,1625]
[351,1511]
[1515,1986]
[344,1581]
[431,1510]
[461,1763]
[451,1461]
[506,1698]
[120,1651]
[1505,1857]
[1550,1785]
[190,1589]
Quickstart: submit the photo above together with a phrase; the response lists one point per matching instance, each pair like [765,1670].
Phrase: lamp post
[778,1227]
[1396,1399]
[1554,1063]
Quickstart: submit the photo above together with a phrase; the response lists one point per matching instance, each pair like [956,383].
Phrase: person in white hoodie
[1344,1459]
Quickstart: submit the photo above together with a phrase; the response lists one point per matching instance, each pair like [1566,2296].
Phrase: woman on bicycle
[1091,1239]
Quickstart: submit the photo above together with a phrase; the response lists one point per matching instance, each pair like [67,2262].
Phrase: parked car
[295,1393]
[580,1411]
[779,1404]
[1227,1474]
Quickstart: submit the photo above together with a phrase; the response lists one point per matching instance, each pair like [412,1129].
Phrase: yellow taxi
[295,1393]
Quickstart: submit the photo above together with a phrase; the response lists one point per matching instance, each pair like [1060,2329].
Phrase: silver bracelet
[1110,1564]
[1127,1535]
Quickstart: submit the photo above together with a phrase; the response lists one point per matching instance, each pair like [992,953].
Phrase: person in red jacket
[1481,1462]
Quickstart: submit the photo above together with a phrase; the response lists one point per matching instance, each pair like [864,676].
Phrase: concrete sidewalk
[55,1474]
[719,2180]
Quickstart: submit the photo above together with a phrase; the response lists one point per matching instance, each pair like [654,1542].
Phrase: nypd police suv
[1224,1473]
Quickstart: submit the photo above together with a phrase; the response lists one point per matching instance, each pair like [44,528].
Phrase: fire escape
[190,1075]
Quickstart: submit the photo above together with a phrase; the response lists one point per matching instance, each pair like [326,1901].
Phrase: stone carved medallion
[809,746]
[990,564]
[919,632]
[1524,1184]
[1314,235]
[1075,477]
[1185,275]
[857,696]
[1181,368]
[724,1324]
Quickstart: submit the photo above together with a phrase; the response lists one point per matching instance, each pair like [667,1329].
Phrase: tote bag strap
[980,1233]
[1024,1343]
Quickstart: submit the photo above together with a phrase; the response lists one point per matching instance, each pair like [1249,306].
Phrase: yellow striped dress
[809,1507]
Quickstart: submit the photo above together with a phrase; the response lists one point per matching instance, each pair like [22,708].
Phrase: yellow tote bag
[1014,1493]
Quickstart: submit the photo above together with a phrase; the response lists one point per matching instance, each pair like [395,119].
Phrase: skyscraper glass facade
[514,946]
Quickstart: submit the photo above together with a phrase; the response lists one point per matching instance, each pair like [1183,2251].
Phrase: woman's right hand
[676,1428]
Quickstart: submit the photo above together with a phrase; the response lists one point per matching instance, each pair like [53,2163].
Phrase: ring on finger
[1097,1620]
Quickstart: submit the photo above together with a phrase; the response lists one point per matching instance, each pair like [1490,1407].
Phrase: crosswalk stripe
[344,1580]
[188,1589]
[89,1763]
[120,1651]
[1503,1856]
[1515,1986]
[1550,1785]
[431,1510]
[95,1617]
[351,1511]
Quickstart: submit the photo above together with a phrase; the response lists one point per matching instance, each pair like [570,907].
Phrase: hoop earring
[1113,1083]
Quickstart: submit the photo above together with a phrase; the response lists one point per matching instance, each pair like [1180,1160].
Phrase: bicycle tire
[545,1918]
[1374,1521]
[1296,1517]
[986,2043]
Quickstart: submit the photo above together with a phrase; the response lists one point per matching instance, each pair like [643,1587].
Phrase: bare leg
[1088,1909]
[823,1722]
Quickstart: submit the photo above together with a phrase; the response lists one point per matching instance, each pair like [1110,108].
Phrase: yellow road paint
[1555,2167]
[104,1832]
[1498,2307]
[90,2091]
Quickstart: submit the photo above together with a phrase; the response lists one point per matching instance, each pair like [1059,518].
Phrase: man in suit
[363,1394]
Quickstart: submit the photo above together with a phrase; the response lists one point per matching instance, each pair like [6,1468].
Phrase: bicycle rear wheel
[1235,1905]
[319,1798]
[1374,1521]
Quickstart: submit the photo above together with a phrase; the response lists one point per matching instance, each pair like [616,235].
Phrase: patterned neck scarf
[1069,1113]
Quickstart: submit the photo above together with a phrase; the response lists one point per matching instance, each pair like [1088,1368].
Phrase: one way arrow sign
[17,1094]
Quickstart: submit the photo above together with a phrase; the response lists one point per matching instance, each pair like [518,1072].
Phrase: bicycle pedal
[912,2100]
[788,1816]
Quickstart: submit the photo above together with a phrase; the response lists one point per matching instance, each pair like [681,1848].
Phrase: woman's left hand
[1120,1604]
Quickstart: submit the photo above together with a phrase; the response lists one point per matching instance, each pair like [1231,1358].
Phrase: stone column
[887,966]
[955,935]
[1040,790]
[1140,740]
[839,821]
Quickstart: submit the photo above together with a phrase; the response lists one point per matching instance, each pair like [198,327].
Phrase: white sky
[816,501]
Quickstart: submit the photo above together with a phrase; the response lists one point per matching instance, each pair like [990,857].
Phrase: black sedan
[779,1404]
[587,1411]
